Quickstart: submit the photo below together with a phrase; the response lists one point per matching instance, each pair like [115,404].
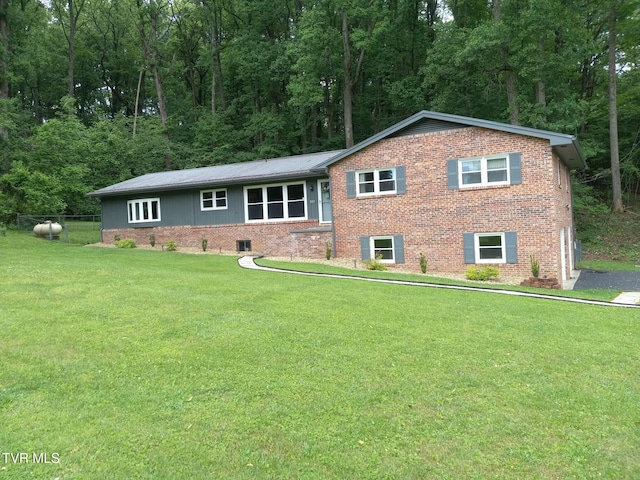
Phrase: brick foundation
[283,239]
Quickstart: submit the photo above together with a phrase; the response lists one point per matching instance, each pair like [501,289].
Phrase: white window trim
[483,172]
[476,246]
[376,182]
[131,210]
[213,192]
[265,203]
[372,249]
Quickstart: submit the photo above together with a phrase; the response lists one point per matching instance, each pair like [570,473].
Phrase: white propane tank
[47,228]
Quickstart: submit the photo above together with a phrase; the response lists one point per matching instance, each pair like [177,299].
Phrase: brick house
[461,191]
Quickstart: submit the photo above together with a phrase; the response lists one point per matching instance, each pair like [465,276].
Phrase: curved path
[249,262]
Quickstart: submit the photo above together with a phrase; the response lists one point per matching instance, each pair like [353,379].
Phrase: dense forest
[93,92]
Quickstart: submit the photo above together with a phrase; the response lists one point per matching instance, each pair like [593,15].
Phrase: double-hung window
[275,202]
[484,171]
[376,182]
[497,247]
[386,248]
[382,249]
[489,247]
[144,210]
[213,199]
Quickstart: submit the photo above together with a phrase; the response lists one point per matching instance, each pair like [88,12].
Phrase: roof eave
[312,173]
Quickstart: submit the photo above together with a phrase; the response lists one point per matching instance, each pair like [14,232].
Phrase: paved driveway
[596,279]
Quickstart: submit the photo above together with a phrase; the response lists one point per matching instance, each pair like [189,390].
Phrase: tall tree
[616,183]
[151,21]
[68,14]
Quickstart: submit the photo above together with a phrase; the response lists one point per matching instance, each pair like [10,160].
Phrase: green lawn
[159,365]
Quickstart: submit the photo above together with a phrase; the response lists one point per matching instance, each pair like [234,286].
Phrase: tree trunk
[348,84]
[71,51]
[4,53]
[217,84]
[4,64]
[617,206]
[512,97]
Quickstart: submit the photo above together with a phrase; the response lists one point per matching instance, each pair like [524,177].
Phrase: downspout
[333,228]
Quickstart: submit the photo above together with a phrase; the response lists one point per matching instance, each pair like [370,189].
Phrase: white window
[489,248]
[275,202]
[382,248]
[144,210]
[213,199]
[484,171]
[376,182]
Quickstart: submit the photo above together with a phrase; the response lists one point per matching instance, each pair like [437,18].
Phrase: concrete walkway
[249,262]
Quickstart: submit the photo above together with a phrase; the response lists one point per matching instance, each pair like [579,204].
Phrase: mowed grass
[160,365]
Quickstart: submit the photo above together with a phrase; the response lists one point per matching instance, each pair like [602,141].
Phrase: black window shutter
[515,169]
[401,180]
[511,247]
[469,248]
[351,184]
[398,248]
[452,174]
[365,248]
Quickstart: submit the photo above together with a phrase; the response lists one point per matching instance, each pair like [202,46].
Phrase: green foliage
[152,240]
[482,274]
[375,264]
[204,244]
[171,246]
[535,266]
[126,243]
[327,250]
[423,263]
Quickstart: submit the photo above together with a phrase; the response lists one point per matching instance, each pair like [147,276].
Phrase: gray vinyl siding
[114,213]
[428,126]
[182,207]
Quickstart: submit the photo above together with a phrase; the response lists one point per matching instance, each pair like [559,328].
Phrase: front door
[324,200]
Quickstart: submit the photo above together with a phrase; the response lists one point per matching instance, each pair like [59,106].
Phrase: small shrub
[482,273]
[126,243]
[535,266]
[375,264]
[116,238]
[3,230]
[327,250]
[204,244]
[171,246]
[152,240]
[423,263]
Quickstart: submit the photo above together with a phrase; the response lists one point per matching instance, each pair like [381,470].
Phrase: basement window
[243,245]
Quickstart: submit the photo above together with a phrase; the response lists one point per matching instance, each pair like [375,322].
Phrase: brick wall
[432,218]
[279,239]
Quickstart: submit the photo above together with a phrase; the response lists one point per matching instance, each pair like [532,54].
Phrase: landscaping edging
[249,263]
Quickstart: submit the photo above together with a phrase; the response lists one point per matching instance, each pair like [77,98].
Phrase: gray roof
[315,164]
[565,146]
[274,169]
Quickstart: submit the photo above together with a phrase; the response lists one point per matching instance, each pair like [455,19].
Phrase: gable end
[427,125]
